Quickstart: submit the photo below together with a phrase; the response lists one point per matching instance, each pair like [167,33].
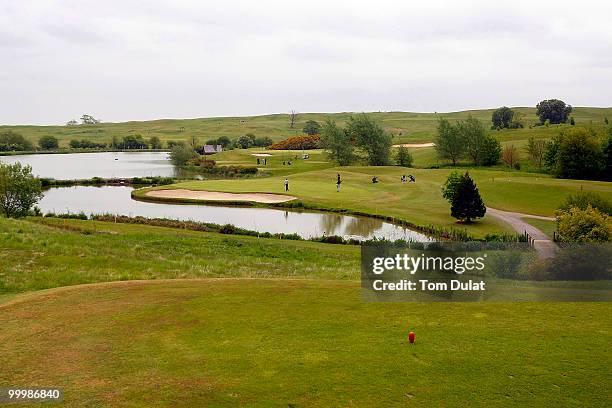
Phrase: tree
[72,122]
[473,134]
[89,120]
[132,142]
[155,143]
[552,149]
[502,117]
[510,156]
[252,137]
[19,190]
[48,142]
[293,115]
[579,155]
[11,141]
[467,203]
[194,142]
[536,149]
[244,142]
[403,158]
[212,142]
[312,128]
[181,154]
[263,141]
[224,141]
[553,110]
[449,143]
[490,151]
[607,151]
[370,137]
[337,143]
[450,186]
[588,225]
[517,121]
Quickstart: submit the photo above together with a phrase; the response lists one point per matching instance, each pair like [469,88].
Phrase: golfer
[338,182]
[286,184]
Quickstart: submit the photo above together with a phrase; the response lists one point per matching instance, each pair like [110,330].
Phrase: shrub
[19,190]
[86,144]
[263,141]
[48,142]
[298,143]
[584,199]
[588,225]
[227,229]
[11,141]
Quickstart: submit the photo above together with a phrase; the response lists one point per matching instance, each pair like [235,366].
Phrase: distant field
[406,126]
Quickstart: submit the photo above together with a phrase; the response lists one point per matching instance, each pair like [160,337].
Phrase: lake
[72,166]
[117,200]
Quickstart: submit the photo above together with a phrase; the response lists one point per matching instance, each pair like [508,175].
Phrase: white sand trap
[415,145]
[261,154]
[219,196]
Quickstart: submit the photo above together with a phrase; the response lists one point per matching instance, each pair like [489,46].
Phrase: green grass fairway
[274,162]
[300,343]
[406,126]
[420,203]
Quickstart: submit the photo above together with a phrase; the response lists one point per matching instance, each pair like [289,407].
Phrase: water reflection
[117,200]
[87,165]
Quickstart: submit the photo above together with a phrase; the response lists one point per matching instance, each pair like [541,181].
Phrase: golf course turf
[419,203]
[281,325]
[285,343]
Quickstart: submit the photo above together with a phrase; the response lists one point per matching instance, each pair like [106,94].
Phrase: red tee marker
[411,337]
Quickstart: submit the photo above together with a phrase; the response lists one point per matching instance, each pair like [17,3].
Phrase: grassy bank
[46,253]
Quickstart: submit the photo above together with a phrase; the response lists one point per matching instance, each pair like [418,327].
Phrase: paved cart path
[546,247]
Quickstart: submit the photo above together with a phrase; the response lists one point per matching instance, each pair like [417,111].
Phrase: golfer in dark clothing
[286,184]
[338,182]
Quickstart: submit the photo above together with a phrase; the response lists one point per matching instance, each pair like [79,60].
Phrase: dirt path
[542,243]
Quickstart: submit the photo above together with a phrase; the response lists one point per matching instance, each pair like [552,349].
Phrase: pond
[117,200]
[72,166]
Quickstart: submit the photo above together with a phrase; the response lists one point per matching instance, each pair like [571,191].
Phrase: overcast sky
[136,60]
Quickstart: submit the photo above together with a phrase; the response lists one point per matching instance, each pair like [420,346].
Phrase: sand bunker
[415,145]
[219,196]
[261,154]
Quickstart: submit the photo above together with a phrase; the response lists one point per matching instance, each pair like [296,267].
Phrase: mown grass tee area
[301,336]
